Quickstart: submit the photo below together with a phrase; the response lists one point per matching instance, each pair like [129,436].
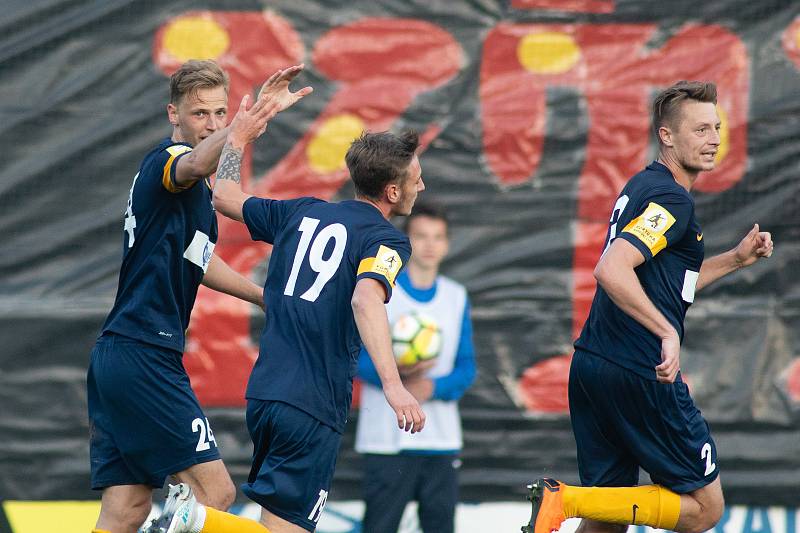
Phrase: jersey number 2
[619,207]
[325,268]
[705,453]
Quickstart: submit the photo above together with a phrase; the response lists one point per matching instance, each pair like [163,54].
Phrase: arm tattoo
[230,164]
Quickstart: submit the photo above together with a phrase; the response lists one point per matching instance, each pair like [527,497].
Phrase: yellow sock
[649,505]
[221,522]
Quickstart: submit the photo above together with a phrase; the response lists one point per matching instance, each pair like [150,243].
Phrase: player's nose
[420,185]
[214,122]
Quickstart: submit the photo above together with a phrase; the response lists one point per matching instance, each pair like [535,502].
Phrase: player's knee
[707,517]
[223,496]
[711,515]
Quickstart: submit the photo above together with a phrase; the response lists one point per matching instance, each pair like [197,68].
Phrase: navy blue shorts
[145,421]
[623,421]
[294,456]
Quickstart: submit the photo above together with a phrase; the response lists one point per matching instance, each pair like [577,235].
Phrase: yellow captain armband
[386,262]
[650,227]
[166,178]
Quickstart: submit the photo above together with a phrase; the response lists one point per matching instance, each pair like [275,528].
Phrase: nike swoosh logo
[633,520]
[699,236]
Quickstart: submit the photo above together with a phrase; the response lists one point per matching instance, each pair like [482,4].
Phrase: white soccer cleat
[179,512]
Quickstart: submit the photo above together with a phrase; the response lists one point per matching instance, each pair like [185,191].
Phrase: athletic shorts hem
[104,484]
[183,465]
[686,488]
[306,524]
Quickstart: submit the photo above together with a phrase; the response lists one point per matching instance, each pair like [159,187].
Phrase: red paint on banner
[793,381]
[791,42]
[543,387]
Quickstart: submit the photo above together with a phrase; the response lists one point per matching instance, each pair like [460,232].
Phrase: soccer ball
[415,337]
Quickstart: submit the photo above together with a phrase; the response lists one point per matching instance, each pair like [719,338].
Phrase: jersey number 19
[325,268]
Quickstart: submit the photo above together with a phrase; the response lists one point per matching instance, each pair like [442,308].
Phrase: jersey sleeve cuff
[635,241]
[168,176]
[379,277]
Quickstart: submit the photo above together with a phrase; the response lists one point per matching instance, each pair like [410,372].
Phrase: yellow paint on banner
[548,52]
[196,37]
[62,516]
[326,150]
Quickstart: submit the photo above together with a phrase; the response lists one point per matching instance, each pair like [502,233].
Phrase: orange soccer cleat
[548,509]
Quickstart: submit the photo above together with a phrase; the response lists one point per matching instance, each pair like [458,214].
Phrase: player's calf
[211,484]
[124,508]
[650,505]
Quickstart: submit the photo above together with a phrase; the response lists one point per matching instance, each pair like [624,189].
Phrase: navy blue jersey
[169,237]
[310,344]
[656,215]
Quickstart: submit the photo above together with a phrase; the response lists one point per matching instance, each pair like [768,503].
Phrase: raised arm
[755,245]
[201,161]
[615,273]
[373,326]
[204,158]
[247,126]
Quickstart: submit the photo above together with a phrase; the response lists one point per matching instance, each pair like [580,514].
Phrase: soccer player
[628,404]
[333,265]
[398,467]
[145,421]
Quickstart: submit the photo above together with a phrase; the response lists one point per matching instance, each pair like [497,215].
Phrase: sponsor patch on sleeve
[200,250]
[167,179]
[386,262]
[650,227]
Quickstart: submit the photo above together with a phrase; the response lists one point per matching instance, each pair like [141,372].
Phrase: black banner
[533,115]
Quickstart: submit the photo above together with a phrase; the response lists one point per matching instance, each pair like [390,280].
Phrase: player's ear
[392,192]
[172,113]
[665,134]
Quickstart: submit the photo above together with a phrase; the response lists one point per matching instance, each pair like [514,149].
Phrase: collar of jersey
[660,167]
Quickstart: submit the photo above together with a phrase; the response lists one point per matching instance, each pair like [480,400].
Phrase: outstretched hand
[276,88]
[249,124]
[755,245]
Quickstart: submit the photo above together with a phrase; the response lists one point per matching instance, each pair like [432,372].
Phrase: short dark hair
[426,209]
[666,106]
[378,159]
[193,75]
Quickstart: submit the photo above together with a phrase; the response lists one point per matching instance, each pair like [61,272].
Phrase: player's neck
[385,210]
[685,177]
[177,135]
[421,278]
